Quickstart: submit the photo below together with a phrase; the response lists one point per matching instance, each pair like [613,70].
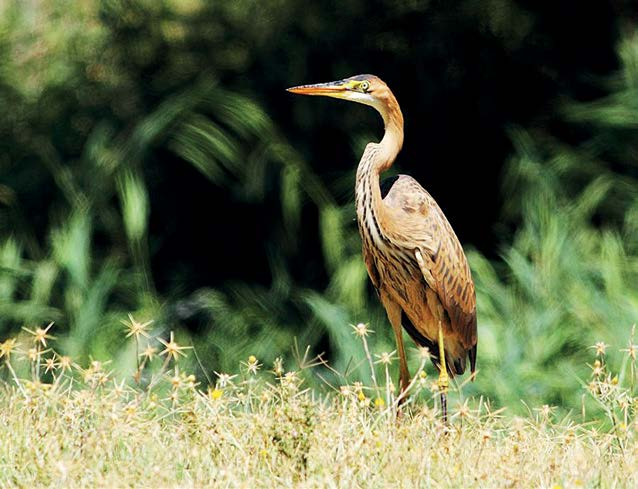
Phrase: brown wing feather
[454,286]
[445,266]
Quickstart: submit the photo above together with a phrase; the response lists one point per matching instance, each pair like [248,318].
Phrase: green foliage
[565,282]
[107,100]
[563,285]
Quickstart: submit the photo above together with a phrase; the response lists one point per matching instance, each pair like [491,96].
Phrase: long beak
[330,89]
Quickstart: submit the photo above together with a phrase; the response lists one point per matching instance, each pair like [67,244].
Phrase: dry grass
[261,428]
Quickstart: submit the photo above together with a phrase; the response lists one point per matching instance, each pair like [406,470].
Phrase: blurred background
[152,163]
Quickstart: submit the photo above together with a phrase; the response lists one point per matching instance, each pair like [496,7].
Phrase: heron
[413,257]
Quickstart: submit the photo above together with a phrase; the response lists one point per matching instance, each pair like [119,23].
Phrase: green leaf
[135,206]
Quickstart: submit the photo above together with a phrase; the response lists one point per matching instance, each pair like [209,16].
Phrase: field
[153,166]
[77,426]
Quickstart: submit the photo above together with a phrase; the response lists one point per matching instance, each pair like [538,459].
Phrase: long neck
[388,148]
[376,159]
[392,140]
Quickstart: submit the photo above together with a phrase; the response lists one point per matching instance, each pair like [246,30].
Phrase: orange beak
[325,89]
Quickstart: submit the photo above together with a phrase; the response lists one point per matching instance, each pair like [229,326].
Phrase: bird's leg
[443,377]
[394,315]
[404,373]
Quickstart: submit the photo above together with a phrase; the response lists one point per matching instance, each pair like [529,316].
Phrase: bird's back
[414,221]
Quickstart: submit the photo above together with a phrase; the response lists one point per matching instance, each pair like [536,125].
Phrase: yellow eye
[364,86]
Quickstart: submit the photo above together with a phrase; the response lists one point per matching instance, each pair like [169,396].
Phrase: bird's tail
[455,363]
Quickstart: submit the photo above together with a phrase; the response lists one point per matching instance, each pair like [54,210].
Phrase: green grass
[70,425]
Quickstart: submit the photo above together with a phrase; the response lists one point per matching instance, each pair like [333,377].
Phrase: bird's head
[369,90]
[364,89]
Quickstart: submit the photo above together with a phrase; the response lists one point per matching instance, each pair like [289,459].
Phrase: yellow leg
[443,377]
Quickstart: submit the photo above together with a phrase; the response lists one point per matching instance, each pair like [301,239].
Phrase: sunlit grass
[74,425]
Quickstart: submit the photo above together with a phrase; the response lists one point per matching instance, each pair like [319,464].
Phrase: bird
[413,257]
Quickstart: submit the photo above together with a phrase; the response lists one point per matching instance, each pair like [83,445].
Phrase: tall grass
[72,425]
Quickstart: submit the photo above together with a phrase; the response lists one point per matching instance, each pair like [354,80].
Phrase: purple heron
[413,257]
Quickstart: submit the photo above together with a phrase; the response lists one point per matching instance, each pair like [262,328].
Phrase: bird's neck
[392,141]
[386,151]
[376,159]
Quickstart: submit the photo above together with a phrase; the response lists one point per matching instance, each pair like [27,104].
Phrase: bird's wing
[438,252]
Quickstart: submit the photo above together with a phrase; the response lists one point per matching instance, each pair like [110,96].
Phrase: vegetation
[78,425]
[151,165]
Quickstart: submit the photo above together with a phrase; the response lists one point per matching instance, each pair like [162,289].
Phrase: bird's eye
[364,86]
